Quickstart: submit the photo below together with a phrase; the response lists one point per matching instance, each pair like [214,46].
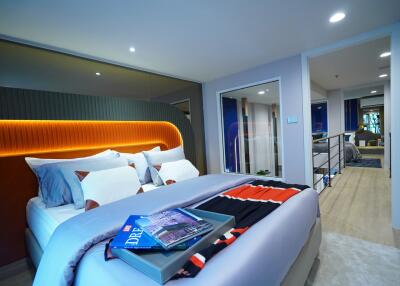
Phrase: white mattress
[43,221]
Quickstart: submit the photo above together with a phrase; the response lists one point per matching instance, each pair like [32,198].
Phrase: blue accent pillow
[141,166]
[59,185]
[51,179]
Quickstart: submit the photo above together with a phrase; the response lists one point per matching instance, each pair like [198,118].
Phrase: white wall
[395,126]
[335,112]
[318,93]
[372,101]
[290,72]
[387,122]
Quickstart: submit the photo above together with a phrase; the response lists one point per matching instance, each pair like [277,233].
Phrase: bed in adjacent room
[351,151]
[278,248]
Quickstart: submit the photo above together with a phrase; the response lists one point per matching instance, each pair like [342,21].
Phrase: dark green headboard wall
[32,104]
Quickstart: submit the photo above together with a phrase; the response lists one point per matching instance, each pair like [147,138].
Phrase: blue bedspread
[262,256]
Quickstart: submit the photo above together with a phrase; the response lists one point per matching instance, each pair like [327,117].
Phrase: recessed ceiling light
[98,74]
[132,49]
[383,75]
[261,92]
[337,17]
[385,54]
[267,90]
[373,91]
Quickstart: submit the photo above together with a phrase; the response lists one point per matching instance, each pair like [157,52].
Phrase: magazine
[172,227]
[131,236]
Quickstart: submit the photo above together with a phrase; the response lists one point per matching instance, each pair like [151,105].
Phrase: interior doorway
[354,79]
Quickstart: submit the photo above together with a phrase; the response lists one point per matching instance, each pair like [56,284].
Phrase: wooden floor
[358,204]
[19,273]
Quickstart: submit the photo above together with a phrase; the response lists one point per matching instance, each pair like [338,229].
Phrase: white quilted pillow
[107,186]
[177,171]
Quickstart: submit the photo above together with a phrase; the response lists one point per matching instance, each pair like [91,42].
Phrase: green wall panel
[32,104]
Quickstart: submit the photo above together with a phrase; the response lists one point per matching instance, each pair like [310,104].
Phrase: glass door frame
[221,125]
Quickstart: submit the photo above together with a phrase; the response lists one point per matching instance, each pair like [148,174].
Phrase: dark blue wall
[351,114]
[319,117]
[230,118]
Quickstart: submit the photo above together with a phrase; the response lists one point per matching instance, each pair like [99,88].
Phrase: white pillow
[172,172]
[36,162]
[155,159]
[106,186]
[142,168]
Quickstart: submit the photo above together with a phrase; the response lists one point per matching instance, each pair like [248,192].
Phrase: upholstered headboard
[60,139]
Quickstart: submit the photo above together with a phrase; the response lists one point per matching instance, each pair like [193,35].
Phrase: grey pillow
[155,159]
[59,185]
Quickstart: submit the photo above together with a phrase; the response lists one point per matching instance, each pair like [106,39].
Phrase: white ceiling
[271,95]
[357,65]
[363,92]
[197,40]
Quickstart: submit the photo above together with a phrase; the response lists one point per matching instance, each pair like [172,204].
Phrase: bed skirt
[35,252]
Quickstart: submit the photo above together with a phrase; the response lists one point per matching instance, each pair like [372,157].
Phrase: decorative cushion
[142,168]
[172,172]
[106,186]
[157,158]
[59,185]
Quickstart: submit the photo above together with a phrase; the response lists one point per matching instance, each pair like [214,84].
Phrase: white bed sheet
[149,187]
[43,221]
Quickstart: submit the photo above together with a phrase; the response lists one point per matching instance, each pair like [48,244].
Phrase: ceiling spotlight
[98,74]
[383,75]
[373,91]
[261,92]
[132,49]
[385,54]
[337,17]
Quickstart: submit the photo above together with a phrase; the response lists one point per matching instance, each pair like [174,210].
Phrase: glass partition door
[252,130]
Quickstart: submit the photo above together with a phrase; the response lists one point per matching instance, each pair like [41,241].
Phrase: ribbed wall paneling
[36,105]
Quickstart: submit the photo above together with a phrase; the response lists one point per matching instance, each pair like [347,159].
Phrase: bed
[280,249]
[42,222]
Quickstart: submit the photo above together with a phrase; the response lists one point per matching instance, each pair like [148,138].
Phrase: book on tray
[172,227]
[131,236]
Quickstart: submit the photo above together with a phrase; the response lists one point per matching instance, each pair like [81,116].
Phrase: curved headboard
[60,139]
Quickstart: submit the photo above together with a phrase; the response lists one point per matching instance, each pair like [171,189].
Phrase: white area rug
[349,261]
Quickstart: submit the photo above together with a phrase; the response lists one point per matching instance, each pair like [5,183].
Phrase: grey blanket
[74,254]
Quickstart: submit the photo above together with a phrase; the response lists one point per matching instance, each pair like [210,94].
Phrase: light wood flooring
[358,204]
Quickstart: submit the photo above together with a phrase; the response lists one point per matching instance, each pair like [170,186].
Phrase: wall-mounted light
[383,75]
[373,91]
[98,74]
[261,92]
